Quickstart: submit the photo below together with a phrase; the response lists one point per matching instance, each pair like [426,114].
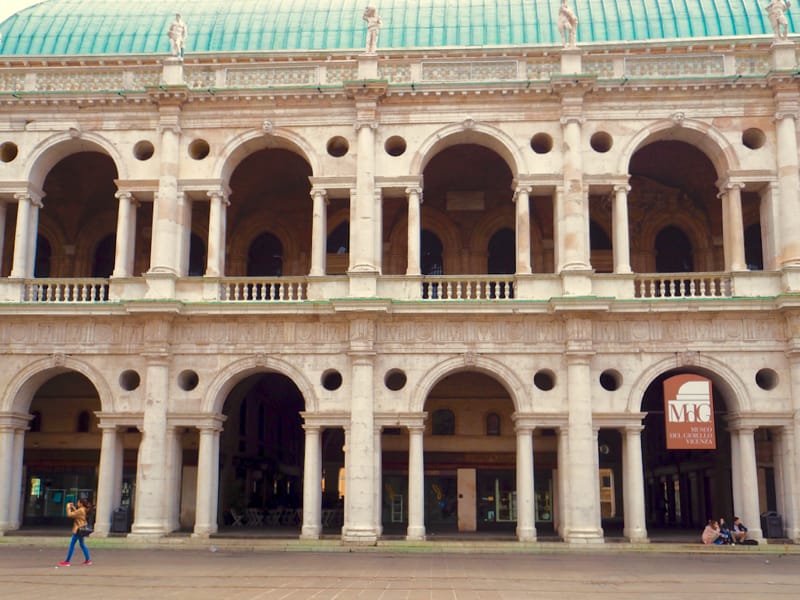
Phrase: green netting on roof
[81,27]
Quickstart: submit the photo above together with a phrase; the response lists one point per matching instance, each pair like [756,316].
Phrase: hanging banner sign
[689,413]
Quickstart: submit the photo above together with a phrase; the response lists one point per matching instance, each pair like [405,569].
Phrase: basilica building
[524,267]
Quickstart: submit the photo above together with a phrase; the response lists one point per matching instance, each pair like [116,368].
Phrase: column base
[584,536]
[576,281]
[310,532]
[636,536]
[203,533]
[146,532]
[363,537]
[790,278]
[528,534]
[415,534]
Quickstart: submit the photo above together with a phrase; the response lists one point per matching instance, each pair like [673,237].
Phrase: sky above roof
[9,7]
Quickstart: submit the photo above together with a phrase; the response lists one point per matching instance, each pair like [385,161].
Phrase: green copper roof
[85,27]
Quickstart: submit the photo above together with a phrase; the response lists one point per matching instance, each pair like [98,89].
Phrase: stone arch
[20,390]
[726,379]
[49,152]
[693,223]
[230,376]
[470,132]
[703,136]
[477,364]
[252,141]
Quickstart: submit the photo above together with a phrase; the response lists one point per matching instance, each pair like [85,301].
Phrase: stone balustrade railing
[494,288]
[465,287]
[258,74]
[65,291]
[255,289]
[683,285]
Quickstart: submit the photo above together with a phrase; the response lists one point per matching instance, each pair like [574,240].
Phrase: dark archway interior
[262,448]
[684,488]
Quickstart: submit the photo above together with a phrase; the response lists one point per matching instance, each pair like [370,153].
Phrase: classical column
[620,229]
[363,228]
[779,457]
[207,481]
[416,484]
[378,240]
[107,479]
[151,476]
[6,474]
[526,517]
[414,231]
[788,179]
[563,482]
[733,227]
[173,477]
[558,229]
[126,234]
[217,226]
[575,210]
[736,471]
[635,528]
[360,496]
[165,250]
[583,504]
[25,236]
[791,482]
[2,229]
[319,231]
[312,484]
[377,502]
[747,510]
[523,230]
[16,479]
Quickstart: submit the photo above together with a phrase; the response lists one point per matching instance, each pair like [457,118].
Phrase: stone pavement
[128,571]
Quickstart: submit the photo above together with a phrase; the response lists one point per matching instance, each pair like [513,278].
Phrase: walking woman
[80,518]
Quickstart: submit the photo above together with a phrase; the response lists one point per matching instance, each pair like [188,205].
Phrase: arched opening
[44,257]
[684,487]
[673,251]
[502,253]
[261,455]
[464,183]
[601,250]
[674,186]
[81,204]
[265,256]
[753,249]
[197,256]
[103,260]
[62,450]
[470,476]
[270,192]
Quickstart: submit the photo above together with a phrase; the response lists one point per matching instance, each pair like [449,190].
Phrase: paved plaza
[155,573]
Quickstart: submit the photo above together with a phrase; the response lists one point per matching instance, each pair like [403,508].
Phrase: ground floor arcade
[465,461]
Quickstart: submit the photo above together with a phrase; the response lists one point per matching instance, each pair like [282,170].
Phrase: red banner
[689,413]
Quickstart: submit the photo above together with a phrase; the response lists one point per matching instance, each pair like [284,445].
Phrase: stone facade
[548,364]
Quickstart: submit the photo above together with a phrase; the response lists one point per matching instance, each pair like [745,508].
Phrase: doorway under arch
[261,454]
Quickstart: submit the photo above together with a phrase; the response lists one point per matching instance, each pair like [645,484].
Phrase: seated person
[725,532]
[738,531]
[710,534]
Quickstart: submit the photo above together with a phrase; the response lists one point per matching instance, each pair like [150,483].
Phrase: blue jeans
[74,539]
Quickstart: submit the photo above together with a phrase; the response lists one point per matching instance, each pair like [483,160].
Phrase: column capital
[358,125]
[567,119]
[221,195]
[317,192]
[522,189]
[124,195]
[412,190]
[622,187]
[780,115]
[728,185]
[33,199]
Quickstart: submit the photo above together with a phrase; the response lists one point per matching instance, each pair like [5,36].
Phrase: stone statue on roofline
[567,25]
[373,29]
[177,36]
[776,11]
